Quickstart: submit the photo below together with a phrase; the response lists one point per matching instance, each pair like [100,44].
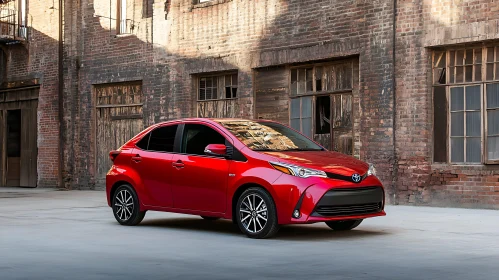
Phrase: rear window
[161,139]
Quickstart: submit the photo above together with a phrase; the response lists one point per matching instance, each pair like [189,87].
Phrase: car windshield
[269,136]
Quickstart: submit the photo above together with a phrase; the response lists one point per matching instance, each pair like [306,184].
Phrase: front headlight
[371,170]
[298,171]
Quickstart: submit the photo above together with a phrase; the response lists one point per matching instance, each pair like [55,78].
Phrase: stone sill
[209,4]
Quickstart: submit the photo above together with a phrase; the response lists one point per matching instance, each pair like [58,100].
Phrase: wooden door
[29,150]
[119,118]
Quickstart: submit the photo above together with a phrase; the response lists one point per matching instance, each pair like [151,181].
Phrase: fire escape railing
[10,27]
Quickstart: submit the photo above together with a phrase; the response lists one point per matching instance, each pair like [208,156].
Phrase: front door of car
[152,159]
[199,182]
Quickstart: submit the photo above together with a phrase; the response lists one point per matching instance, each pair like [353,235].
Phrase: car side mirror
[216,150]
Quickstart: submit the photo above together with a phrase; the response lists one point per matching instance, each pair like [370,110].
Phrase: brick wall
[182,39]
[37,58]
[420,26]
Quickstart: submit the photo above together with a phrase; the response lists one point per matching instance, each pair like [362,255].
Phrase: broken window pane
[490,71]
[323,115]
[469,57]
[460,57]
[459,74]
[439,60]
[451,74]
[301,81]
[490,54]
[497,54]
[478,73]
[439,75]
[452,58]
[318,78]
[497,71]
[478,56]
[473,148]
[469,73]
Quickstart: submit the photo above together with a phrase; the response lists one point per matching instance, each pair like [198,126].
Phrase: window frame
[465,137]
[485,126]
[483,82]
[217,77]
[315,94]
[182,130]
[149,134]
[121,17]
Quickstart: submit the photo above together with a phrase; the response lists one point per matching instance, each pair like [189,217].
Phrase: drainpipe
[60,96]
[394,116]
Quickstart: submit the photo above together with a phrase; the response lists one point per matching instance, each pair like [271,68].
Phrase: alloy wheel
[253,213]
[123,205]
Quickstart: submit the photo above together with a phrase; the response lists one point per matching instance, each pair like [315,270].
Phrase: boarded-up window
[271,94]
[217,96]
[465,107]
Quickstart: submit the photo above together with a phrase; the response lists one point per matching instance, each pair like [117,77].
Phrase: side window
[162,139]
[197,137]
[144,142]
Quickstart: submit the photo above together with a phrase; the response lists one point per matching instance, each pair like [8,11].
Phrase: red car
[261,174]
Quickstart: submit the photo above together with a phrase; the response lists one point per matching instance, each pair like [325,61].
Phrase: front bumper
[328,200]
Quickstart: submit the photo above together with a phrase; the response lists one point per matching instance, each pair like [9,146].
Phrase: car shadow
[287,233]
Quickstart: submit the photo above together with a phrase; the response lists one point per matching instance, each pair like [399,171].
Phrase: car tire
[210,218]
[344,225]
[260,220]
[126,206]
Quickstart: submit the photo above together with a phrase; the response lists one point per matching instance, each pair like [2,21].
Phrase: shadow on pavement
[288,233]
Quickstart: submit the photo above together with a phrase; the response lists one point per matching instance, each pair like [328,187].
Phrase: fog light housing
[296,214]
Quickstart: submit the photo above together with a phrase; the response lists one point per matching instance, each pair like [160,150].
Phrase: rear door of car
[152,159]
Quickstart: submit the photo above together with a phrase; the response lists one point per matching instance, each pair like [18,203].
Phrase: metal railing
[10,27]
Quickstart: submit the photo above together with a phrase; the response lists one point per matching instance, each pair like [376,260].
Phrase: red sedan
[260,174]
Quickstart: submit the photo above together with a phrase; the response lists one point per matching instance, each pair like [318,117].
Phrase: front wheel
[344,225]
[256,214]
[126,207]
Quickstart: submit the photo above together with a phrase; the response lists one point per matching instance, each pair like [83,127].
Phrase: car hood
[323,160]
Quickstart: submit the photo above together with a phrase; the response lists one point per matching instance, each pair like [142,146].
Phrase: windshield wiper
[265,150]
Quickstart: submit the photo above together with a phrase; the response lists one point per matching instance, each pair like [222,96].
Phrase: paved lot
[47,234]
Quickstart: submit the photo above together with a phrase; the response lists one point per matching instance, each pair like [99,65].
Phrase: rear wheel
[126,207]
[210,218]
[256,214]
[343,225]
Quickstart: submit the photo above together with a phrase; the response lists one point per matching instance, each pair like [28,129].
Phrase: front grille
[349,210]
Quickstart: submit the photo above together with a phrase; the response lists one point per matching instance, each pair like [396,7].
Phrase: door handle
[179,164]
[137,159]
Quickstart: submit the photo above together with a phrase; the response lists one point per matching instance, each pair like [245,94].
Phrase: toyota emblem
[356,178]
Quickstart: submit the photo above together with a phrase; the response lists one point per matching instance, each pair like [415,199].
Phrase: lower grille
[349,210]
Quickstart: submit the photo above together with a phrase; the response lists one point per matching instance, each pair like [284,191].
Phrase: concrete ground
[48,234]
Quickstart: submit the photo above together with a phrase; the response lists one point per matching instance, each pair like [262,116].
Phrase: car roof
[210,120]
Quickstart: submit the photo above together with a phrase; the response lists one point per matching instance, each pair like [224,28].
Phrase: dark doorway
[18,137]
[13,147]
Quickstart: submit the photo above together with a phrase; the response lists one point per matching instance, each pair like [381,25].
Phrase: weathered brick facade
[172,42]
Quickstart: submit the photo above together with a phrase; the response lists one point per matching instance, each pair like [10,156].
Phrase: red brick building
[410,86]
